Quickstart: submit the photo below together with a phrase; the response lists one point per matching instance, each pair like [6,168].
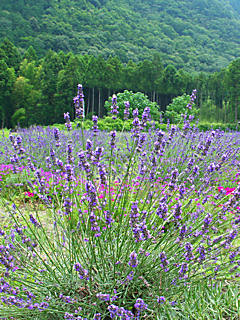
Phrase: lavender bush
[138,225]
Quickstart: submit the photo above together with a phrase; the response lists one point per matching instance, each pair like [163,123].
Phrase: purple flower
[91,194]
[192,99]
[133,262]
[103,296]
[97,155]
[161,300]
[140,305]
[113,310]
[178,211]
[145,116]
[83,273]
[68,122]
[113,139]
[136,127]
[202,253]
[67,204]
[141,141]
[69,172]
[183,270]
[126,110]
[114,107]
[164,261]
[189,251]
[79,103]
[95,125]
[34,221]
[135,113]
[56,133]
[102,174]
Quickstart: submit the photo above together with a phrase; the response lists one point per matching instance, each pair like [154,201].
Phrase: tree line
[37,90]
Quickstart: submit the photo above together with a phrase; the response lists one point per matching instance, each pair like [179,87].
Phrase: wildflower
[133,262]
[162,210]
[159,145]
[95,125]
[84,164]
[114,107]
[56,133]
[91,194]
[178,211]
[69,172]
[69,152]
[108,218]
[68,122]
[206,222]
[52,154]
[141,141]
[189,254]
[161,300]
[164,261]
[102,174]
[94,226]
[136,127]
[140,305]
[113,139]
[182,233]
[83,273]
[202,253]
[145,116]
[97,155]
[34,221]
[67,204]
[103,296]
[183,270]
[135,113]
[192,99]
[79,102]
[126,110]
[173,181]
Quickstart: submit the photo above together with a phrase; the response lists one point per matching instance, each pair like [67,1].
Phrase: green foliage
[108,124]
[45,87]
[137,100]
[7,79]
[205,126]
[19,117]
[11,53]
[200,35]
[178,107]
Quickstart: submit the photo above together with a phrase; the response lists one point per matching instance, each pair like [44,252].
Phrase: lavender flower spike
[95,125]
[133,262]
[68,122]
[83,273]
[79,102]
[192,99]
[126,110]
[114,107]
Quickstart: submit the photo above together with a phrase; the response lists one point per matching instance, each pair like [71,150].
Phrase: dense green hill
[197,35]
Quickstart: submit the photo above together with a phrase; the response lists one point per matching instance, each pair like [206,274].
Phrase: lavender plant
[136,225]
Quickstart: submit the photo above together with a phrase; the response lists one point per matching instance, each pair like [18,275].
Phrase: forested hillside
[39,91]
[199,35]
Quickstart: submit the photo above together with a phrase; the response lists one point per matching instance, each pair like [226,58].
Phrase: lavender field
[136,225]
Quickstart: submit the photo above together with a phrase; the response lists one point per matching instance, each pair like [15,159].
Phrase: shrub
[137,100]
[175,111]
